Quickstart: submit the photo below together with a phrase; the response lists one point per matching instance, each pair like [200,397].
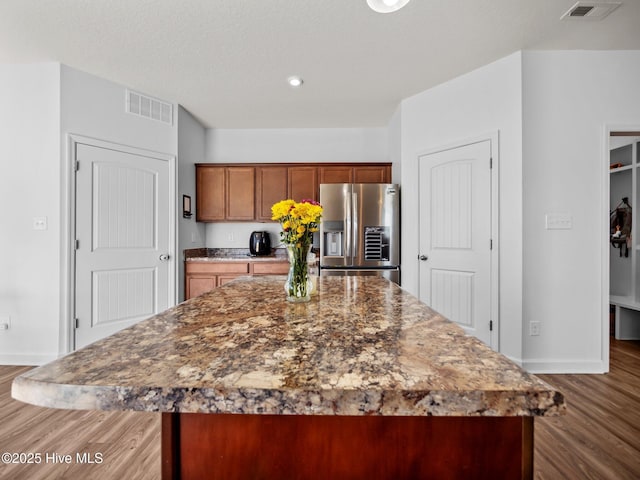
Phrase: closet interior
[624,248]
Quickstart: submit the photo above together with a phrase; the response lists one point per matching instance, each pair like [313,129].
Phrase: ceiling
[227,61]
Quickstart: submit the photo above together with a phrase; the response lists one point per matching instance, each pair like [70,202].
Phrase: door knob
[164,257]
[424,258]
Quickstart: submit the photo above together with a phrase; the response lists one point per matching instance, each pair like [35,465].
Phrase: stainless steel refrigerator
[360,230]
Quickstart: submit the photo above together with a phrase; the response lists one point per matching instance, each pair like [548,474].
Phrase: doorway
[459,235]
[123,237]
[623,244]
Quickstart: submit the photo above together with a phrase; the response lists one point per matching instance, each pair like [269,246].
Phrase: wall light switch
[5,323]
[40,223]
[558,221]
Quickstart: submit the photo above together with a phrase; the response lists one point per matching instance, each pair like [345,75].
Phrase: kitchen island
[364,381]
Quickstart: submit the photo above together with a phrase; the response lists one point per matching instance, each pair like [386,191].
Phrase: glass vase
[298,285]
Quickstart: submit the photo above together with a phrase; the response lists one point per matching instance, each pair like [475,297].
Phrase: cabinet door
[222,279]
[210,193]
[372,174]
[271,187]
[240,193]
[270,268]
[338,174]
[303,183]
[197,285]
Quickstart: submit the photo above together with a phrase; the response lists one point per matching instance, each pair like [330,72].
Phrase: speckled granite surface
[362,346]
[231,255]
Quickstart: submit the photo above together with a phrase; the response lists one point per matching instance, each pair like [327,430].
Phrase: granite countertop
[232,255]
[362,346]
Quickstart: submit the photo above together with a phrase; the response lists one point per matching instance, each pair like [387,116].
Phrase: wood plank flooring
[599,438]
[129,442]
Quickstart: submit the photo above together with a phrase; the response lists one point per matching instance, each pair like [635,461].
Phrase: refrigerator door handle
[355,229]
[347,228]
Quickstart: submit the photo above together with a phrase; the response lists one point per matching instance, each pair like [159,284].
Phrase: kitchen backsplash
[236,235]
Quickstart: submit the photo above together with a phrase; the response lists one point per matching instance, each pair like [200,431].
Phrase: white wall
[291,145]
[191,146]
[29,187]
[569,99]
[395,145]
[43,103]
[94,107]
[481,102]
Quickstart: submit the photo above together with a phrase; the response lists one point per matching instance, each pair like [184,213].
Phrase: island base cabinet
[227,446]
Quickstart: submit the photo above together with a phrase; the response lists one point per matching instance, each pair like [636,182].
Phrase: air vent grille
[590,10]
[580,11]
[149,107]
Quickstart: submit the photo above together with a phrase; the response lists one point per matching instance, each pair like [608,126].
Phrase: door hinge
[491,325]
[77,323]
[77,245]
[491,244]
[490,162]
[77,165]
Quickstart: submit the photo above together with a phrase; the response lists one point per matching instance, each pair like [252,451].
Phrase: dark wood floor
[599,438]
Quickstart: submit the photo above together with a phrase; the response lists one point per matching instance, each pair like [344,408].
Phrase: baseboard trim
[563,367]
[26,360]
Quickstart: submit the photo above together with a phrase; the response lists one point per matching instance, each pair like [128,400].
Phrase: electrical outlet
[5,323]
[231,237]
[534,328]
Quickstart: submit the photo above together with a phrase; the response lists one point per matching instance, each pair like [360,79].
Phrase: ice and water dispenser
[333,239]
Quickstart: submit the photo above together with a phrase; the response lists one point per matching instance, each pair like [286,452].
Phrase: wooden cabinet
[202,277]
[210,193]
[246,192]
[372,174]
[355,173]
[337,174]
[225,193]
[302,183]
[270,268]
[240,193]
[271,187]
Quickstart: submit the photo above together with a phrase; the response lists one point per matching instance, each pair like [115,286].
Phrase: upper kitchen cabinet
[225,193]
[271,187]
[336,174]
[210,193]
[246,192]
[355,173]
[303,183]
[372,174]
[240,193]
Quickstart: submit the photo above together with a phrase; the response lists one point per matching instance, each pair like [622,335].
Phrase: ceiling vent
[590,10]
[149,107]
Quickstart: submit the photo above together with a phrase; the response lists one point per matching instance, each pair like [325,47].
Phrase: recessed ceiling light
[386,6]
[295,81]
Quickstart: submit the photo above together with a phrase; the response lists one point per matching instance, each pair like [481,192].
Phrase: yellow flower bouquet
[299,220]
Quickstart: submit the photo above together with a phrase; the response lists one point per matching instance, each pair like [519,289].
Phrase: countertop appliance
[360,230]
[260,243]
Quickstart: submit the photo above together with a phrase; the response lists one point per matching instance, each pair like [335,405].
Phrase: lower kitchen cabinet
[202,277]
[270,268]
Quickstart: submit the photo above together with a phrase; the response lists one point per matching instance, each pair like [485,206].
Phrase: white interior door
[122,262]
[455,235]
